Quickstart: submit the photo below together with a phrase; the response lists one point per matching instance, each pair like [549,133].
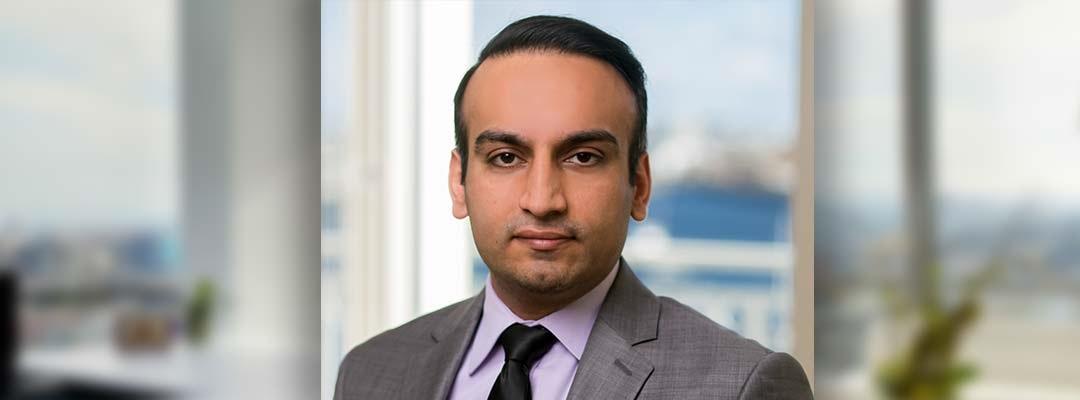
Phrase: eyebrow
[509,138]
[580,138]
[575,139]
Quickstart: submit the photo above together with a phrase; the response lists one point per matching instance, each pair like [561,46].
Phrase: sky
[1009,74]
[1008,100]
[729,64]
[88,94]
[88,112]
[88,91]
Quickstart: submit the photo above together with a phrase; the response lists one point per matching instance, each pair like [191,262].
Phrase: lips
[542,240]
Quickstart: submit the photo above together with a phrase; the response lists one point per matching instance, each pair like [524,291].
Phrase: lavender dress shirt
[552,375]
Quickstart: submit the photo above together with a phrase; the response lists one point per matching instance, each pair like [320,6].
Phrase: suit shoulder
[679,321]
[412,334]
[777,376]
[700,358]
[696,358]
[374,368]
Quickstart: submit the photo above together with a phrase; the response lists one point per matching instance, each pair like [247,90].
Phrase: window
[90,219]
[1002,134]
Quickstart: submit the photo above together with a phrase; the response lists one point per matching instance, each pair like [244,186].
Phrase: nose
[543,196]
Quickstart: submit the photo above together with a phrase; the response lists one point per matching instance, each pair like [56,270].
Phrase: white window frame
[402,252]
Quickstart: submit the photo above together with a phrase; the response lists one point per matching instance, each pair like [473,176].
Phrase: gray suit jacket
[641,347]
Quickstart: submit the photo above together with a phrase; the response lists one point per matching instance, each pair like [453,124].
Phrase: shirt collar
[571,325]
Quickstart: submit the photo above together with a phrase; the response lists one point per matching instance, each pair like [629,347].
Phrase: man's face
[547,187]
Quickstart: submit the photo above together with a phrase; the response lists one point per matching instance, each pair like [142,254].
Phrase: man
[550,165]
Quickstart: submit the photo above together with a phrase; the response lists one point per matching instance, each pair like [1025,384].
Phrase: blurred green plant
[200,311]
[928,368]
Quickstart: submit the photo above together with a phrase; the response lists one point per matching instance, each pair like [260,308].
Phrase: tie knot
[526,344]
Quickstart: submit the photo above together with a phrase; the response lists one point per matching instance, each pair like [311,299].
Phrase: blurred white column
[446,52]
[251,190]
[274,175]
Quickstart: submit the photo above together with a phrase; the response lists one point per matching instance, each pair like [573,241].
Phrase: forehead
[545,95]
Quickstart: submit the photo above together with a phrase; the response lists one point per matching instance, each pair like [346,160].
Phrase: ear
[642,189]
[457,187]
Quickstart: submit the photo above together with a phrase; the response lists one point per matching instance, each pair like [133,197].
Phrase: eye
[505,159]
[584,158]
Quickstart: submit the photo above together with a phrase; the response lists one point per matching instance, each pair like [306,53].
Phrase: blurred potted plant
[928,366]
[200,311]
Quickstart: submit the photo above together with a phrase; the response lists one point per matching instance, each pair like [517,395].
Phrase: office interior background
[185,182]
[159,207]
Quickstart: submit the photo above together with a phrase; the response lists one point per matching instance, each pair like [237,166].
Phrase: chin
[542,277]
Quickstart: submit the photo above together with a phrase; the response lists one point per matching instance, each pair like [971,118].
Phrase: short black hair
[569,36]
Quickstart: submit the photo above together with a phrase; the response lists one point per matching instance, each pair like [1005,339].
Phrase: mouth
[542,240]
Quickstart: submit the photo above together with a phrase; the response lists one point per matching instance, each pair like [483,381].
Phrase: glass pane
[1008,135]
[1004,120]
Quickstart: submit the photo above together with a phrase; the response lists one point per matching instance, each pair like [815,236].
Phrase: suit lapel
[436,367]
[610,367]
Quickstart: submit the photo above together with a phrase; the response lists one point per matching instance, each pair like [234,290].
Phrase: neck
[531,306]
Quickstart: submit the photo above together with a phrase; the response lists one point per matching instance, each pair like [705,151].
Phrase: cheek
[602,205]
[491,205]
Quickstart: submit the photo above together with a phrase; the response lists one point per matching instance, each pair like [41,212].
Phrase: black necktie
[523,346]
